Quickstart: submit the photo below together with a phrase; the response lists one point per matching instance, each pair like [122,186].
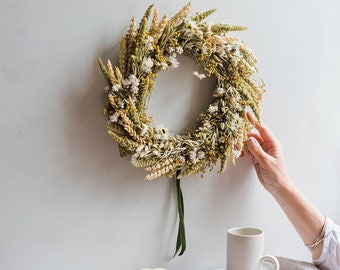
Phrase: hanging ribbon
[181,242]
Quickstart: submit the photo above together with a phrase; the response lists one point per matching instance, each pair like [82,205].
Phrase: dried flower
[212,108]
[132,80]
[161,133]
[200,154]
[198,75]
[147,65]
[114,117]
[236,153]
[149,43]
[163,65]
[173,61]
[179,50]
[116,87]
[220,91]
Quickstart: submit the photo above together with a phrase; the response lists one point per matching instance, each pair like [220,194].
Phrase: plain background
[67,199]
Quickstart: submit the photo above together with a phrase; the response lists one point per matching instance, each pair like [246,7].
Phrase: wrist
[282,187]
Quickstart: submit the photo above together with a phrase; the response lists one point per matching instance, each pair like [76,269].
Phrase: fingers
[265,132]
[256,150]
[257,137]
[252,118]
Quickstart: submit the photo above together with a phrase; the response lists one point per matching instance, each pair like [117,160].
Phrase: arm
[268,160]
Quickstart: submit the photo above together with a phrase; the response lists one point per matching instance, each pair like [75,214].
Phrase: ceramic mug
[245,250]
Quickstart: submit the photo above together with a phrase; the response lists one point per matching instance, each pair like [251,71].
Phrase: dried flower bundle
[221,130]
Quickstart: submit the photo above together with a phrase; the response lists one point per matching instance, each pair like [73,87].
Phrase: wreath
[220,132]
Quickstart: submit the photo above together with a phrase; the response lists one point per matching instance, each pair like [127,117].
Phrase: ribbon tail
[181,240]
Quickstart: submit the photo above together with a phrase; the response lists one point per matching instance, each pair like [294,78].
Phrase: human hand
[267,156]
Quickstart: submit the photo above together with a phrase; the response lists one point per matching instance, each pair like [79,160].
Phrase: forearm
[267,156]
[306,219]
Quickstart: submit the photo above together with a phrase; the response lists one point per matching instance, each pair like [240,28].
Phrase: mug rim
[245,231]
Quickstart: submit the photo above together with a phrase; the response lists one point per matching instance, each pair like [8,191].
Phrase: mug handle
[271,259]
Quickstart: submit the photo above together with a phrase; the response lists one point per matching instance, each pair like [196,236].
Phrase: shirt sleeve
[330,255]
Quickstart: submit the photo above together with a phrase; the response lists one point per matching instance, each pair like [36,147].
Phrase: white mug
[245,250]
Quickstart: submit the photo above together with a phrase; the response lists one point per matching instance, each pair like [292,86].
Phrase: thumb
[255,148]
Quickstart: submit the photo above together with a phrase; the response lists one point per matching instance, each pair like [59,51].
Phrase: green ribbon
[181,242]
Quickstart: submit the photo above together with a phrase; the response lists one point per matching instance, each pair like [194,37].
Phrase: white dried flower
[114,117]
[149,39]
[199,75]
[164,65]
[200,155]
[162,132]
[213,108]
[147,65]
[148,42]
[192,24]
[173,60]
[192,156]
[116,87]
[132,80]
[236,153]
[220,91]
[179,50]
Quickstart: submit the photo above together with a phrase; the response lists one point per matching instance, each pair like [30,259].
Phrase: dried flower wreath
[220,131]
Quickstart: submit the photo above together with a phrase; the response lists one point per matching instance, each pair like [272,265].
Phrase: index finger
[264,131]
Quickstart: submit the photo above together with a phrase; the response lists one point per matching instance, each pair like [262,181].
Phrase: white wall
[68,201]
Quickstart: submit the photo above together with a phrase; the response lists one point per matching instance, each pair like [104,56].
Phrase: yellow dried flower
[123,54]
[223,28]
[154,23]
[141,31]
[200,17]
[110,72]
[123,141]
[104,71]
[159,30]
[180,15]
[163,171]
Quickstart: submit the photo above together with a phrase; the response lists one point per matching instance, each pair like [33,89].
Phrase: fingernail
[251,141]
